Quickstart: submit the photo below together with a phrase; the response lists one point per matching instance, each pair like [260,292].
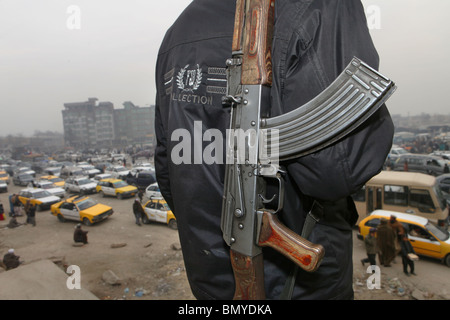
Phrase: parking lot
[146,258]
[148,262]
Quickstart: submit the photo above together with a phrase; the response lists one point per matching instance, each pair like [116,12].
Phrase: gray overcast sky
[43,63]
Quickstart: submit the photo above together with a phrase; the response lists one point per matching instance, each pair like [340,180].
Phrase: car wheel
[102,194]
[86,222]
[61,218]
[173,224]
[447,260]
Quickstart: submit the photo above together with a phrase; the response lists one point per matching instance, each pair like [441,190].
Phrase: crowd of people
[389,240]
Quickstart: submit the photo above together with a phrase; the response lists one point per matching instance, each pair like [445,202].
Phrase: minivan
[407,192]
[431,165]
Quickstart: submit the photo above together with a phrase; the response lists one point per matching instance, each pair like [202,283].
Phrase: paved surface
[40,280]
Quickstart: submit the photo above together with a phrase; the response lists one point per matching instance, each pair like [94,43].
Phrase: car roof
[111,180]
[76,198]
[400,216]
[406,178]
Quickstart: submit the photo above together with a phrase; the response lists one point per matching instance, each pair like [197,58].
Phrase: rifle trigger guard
[280,193]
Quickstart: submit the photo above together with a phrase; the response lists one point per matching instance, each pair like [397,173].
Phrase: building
[94,124]
[134,125]
[89,124]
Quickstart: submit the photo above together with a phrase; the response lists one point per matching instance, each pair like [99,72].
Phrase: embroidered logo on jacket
[189,79]
[185,85]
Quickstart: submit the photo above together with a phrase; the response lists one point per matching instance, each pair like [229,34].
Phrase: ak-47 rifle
[256,144]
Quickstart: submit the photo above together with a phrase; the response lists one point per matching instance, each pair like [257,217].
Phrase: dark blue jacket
[313,42]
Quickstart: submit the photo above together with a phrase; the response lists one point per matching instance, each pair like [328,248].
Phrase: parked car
[24,170]
[4,177]
[67,172]
[52,171]
[444,182]
[142,179]
[81,185]
[152,191]
[40,197]
[3,186]
[22,179]
[102,176]
[118,172]
[116,188]
[431,165]
[89,170]
[157,210]
[57,181]
[50,187]
[426,238]
[396,152]
[81,209]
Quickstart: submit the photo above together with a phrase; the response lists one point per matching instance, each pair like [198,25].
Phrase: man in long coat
[386,242]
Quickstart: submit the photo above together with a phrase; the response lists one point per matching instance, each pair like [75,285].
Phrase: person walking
[370,243]
[30,211]
[386,243]
[408,255]
[138,211]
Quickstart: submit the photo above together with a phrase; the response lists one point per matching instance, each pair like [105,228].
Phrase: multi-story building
[94,124]
[89,124]
[134,125]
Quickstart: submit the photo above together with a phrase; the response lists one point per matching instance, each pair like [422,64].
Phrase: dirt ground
[148,262]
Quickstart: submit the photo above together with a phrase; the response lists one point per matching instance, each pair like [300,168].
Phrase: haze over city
[53,52]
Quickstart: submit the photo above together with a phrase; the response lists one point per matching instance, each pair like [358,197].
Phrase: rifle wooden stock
[249,276]
[253,33]
[277,236]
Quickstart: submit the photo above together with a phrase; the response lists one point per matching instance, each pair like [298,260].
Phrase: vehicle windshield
[166,207]
[120,184]
[41,194]
[120,169]
[440,196]
[86,203]
[84,181]
[56,180]
[25,176]
[441,234]
[3,175]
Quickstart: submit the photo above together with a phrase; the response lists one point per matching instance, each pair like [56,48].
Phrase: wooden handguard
[277,236]
[257,17]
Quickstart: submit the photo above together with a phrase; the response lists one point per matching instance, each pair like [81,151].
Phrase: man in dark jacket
[313,42]
[138,211]
[80,235]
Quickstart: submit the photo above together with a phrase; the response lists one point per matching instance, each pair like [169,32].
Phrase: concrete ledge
[40,280]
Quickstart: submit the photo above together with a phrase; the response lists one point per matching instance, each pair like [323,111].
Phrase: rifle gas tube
[257,143]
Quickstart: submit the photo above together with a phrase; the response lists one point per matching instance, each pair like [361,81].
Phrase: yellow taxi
[81,209]
[116,188]
[39,197]
[57,181]
[157,210]
[426,238]
[4,177]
